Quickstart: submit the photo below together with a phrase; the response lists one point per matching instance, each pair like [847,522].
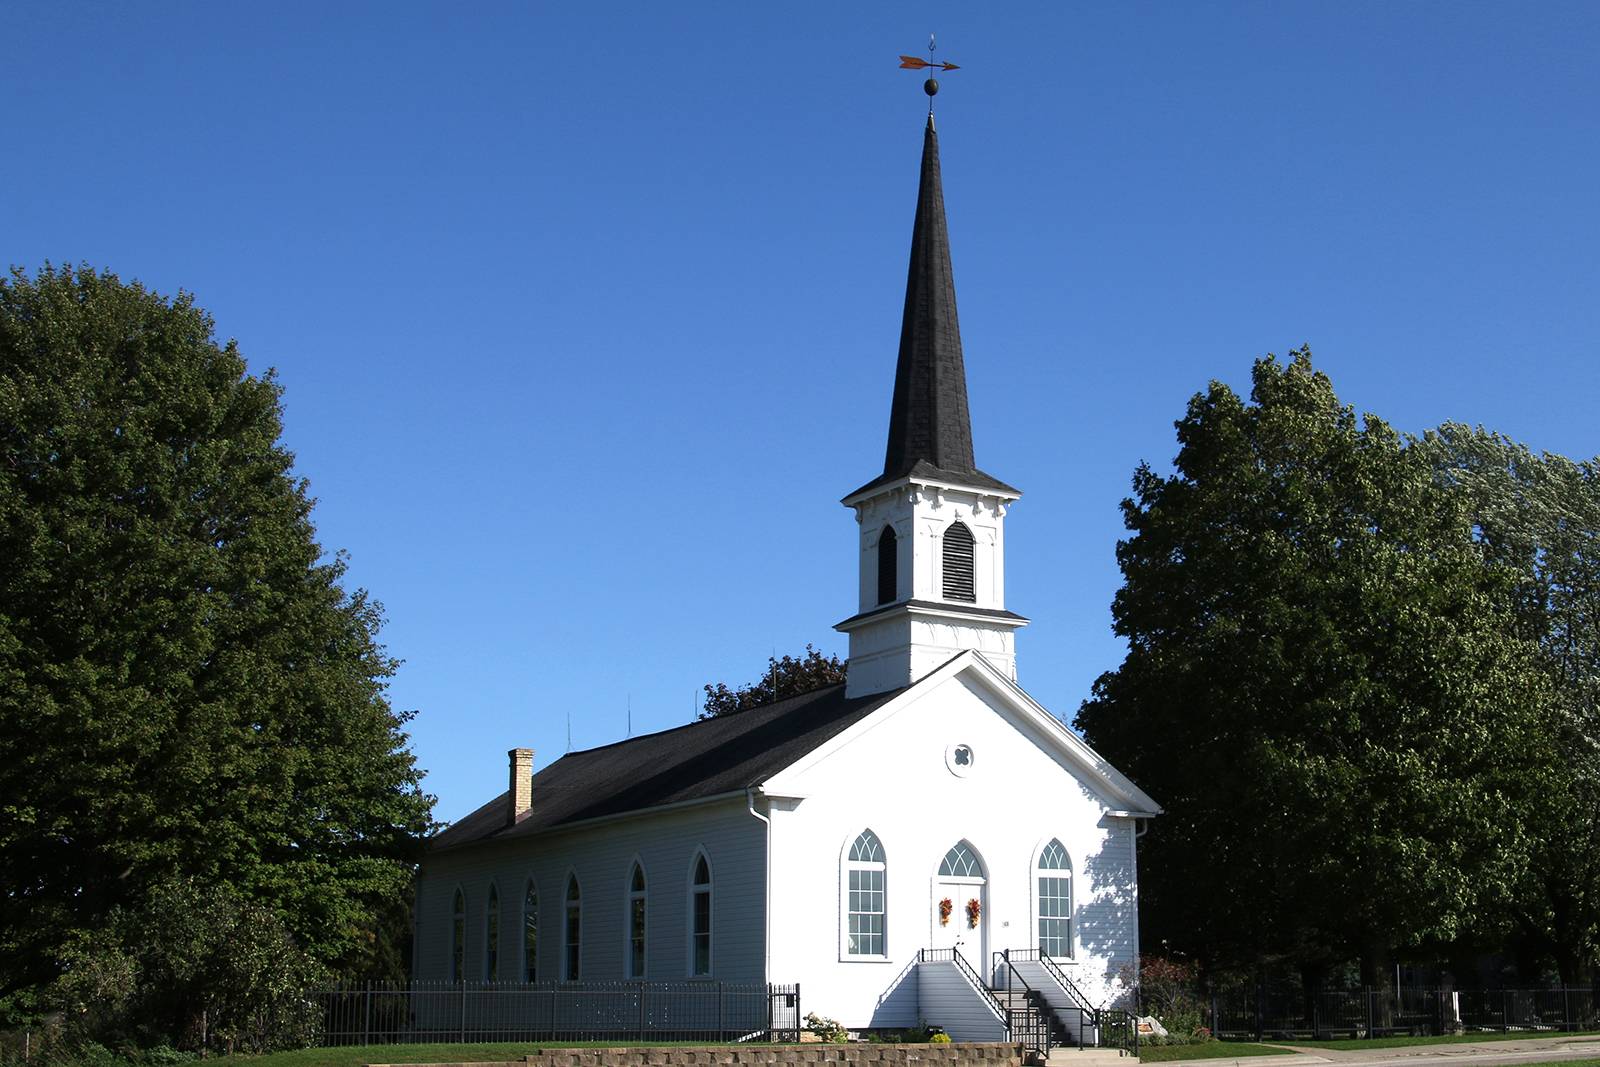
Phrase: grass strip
[1211,1050]
[356,1055]
[1354,1044]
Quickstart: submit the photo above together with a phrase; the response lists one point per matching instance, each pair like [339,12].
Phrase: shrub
[830,1030]
[196,967]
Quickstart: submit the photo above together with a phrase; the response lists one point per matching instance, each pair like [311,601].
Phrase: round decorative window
[960,759]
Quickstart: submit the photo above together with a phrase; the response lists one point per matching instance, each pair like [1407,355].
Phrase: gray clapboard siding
[949,999]
[1067,1009]
[602,858]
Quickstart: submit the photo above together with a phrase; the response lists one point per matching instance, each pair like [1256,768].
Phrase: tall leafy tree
[186,688]
[786,677]
[1321,687]
[1538,514]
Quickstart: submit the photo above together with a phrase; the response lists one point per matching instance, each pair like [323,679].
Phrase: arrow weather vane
[914,63]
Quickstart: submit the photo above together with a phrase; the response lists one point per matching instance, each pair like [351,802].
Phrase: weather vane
[913,63]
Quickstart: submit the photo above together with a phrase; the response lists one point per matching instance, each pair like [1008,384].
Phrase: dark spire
[930,431]
[928,420]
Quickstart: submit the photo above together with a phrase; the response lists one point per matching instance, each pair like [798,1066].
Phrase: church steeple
[930,427]
[928,421]
[932,524]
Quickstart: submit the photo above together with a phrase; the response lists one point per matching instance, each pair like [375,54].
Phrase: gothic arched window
[458,938]
[958,547]
[960,862]
[574,931]
[1054,903]
[491,937]
[865,871]
[636,917]
[700,918]
[888,567]
[530,933]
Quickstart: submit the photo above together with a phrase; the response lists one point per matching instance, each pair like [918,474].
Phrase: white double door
[958,931]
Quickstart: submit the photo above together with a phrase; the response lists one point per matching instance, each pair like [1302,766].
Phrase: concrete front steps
[1089,1057]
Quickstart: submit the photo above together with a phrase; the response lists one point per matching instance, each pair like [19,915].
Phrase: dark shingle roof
[703,759]
[929,425]
[925,470]
[936,605]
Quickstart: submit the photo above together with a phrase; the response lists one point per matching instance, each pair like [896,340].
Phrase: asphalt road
[1464,1054]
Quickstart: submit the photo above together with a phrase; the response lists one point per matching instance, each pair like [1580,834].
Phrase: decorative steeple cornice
[930,430]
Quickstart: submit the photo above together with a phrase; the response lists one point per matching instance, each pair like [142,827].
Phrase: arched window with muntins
[458,938]
[865,877]
[700,918]
[491,937]
[636,920]
[572,955]
[1054,902]
[888,567]
[958,548]
[530,933]
[960,862]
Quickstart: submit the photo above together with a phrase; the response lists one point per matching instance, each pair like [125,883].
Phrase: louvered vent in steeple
[958,583]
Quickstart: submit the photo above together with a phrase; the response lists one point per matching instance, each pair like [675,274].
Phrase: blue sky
[586,315]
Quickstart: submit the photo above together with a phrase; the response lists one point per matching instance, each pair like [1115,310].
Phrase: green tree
[186,690]
[199,967]
[1321,686]
[786,677]
[1539,516]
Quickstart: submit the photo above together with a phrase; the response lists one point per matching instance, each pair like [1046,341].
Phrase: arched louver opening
[888,567]
[958,544]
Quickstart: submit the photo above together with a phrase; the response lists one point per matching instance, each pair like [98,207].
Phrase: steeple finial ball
[930,87]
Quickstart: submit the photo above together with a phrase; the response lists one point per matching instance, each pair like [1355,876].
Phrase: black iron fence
[1256,1012]
[382,1014]
[1118,1028]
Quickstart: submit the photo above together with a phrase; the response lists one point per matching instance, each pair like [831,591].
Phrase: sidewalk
[1479,1053]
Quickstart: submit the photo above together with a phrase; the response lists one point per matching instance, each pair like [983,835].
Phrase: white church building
[902,845]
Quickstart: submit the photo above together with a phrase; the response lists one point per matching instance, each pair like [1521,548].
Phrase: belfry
[932,525]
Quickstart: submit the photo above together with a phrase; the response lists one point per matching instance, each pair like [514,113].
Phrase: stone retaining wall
[859,1055]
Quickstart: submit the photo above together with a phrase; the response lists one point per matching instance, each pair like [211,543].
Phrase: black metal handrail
[1055,971]
[1035,999]
[1087,1017]
[1014,1032]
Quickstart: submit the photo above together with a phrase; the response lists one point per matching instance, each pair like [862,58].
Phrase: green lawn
[355,1055]
[1354,1044]
[1211,1050]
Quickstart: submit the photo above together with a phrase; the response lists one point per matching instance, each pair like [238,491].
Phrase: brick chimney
[520,801]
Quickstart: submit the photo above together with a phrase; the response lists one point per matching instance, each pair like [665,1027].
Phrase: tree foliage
[1323,685]
[1539,516]
[200,967]
[186,689]
[786,677]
